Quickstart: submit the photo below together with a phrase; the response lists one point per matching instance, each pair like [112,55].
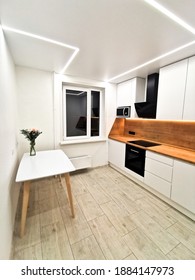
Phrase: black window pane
[95,112]
[76,112]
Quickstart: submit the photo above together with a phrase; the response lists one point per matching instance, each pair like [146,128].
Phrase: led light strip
[76,50]
[170,15]
[173,17]
[153,60]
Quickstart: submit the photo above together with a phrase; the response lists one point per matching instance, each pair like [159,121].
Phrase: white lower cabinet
[158,172]
[175,179]
[183,185]
[116,153]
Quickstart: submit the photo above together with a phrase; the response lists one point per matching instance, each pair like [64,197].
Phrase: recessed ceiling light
[76,50]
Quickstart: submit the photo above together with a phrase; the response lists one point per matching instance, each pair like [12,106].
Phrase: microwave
[123,112]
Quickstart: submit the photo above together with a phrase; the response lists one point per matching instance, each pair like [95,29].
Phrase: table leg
[68,186]
[26,190]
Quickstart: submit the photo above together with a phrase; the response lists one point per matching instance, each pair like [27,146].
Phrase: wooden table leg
[68,186]
[26,190]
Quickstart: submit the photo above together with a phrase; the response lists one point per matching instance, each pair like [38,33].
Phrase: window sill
[82,141]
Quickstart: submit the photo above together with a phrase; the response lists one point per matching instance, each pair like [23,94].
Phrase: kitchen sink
[144,143]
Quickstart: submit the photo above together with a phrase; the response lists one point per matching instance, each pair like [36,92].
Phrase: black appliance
[123,112]
[144,143]
[135,159]
[148,109]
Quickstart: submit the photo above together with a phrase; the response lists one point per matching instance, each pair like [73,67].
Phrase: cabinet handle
[134,151]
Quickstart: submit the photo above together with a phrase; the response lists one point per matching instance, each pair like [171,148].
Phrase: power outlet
[132,132]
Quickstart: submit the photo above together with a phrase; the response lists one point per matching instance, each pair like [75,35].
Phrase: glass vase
[32,149]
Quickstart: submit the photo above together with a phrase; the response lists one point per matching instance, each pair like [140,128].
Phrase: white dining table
[43,164]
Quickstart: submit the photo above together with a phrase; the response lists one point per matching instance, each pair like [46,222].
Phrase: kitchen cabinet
[171,91]
[176,98]
[158,172]
[116,153]
[183,184]
[189,102]
[171,179]
[129,92]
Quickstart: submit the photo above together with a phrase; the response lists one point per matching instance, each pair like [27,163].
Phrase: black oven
[135,159]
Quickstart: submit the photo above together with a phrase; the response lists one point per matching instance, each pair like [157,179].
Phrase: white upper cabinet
[129,92]
[171,90]
[189,102]
[176,91]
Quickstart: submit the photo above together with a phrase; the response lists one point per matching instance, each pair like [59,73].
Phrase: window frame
[89,92]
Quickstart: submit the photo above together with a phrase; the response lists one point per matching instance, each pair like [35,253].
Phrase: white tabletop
[43,164]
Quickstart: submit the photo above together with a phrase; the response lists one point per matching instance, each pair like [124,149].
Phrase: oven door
[135,159]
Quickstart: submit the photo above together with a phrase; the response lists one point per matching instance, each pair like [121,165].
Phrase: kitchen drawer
[159,169]
[161,158]
[157,183]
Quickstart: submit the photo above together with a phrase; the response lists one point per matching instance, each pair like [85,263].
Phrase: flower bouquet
[31,135]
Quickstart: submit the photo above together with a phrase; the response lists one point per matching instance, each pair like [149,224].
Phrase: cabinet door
[116,153]
[189,103]
[130,92]
[183,185]
[125,93]
[171,90]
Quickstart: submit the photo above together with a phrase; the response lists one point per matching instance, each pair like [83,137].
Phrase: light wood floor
[115,219]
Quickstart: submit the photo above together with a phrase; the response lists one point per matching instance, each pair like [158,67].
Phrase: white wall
[9,191]
[27,101]
[36,109]
[35,104]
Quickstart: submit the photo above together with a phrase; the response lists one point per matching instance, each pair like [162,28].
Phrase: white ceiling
[113,36]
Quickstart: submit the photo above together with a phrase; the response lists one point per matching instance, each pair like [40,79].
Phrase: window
[82,111]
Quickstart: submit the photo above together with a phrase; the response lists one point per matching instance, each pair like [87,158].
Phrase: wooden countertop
[168,150]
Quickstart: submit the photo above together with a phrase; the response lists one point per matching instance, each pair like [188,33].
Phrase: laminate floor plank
[87,249]
[77,228]
[31,236]
[110,242]
[122,198]
[142,247]
[184,235]
[48,204]
[98,194]
[181,253]
[77,185]
[164,240]
[158,215]
[119,217]
[30,253]
[89,206]
[181,218]
[46,188]
[54,239]
[115,218]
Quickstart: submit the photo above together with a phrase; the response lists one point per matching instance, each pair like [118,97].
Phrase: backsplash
[172,132]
